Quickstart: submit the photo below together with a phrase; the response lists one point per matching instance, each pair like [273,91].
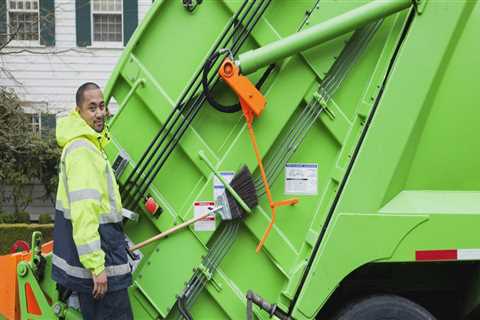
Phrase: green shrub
[9,233]
[7,218]
[23,217]
[44,218]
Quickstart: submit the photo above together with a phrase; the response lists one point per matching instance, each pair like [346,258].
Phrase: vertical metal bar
[140,81]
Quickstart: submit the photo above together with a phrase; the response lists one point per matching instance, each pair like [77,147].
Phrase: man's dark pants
[114,305]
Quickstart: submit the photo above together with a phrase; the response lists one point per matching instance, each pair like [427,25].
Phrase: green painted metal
[255,59]
[276,271]
[26,277]
[411,164]
[393,117]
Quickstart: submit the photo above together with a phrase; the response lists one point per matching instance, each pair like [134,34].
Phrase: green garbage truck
[356,122]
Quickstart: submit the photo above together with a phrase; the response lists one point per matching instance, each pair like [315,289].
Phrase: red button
[151,205]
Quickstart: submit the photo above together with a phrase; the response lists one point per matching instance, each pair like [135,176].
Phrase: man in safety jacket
[89,254]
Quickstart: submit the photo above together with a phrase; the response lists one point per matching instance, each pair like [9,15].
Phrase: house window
[107,20]
[23,21]
[43,124]
[105,23]
[36,123]
[49,123]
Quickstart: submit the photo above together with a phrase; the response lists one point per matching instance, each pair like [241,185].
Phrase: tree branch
[12,36]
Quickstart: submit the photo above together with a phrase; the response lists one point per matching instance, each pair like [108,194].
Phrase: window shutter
[83,23]
[48,123]
[3,22]
[130,19]
[47,22]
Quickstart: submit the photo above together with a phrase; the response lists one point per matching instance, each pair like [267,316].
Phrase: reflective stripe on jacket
[88,235]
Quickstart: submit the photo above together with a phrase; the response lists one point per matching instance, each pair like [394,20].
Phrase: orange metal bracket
[9,300]
[253,103]
[251,100]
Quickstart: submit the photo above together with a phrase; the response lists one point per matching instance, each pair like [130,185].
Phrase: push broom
[239,198]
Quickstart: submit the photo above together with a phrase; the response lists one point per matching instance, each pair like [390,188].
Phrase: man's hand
[99,285]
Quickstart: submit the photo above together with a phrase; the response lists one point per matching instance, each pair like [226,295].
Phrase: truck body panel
[374,131]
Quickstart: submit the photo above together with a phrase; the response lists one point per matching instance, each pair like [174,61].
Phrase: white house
[56,45]
[50,47]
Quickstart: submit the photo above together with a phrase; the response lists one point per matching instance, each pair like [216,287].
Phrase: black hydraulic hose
[264,76]
[208,95]
[192,112]
[180,106]
[160,160]
[213,58]
[183,311]
[249,27]
[308,14]
[133,202]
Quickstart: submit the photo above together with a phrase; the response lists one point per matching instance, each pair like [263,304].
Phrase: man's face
[92,109]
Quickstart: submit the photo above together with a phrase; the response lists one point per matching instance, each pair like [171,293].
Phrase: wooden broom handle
[169,231]
[173,229]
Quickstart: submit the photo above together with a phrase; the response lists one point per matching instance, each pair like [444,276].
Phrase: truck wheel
[384,307]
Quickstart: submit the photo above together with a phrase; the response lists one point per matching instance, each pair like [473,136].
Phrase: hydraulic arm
[252,101]
[253,60]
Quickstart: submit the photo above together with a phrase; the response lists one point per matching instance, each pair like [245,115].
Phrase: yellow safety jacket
[88,235]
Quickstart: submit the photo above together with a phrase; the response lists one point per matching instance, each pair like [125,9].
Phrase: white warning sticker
[301,178]
[207,223]
[218,187]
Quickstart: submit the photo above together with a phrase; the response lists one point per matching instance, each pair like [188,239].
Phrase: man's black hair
[84,87]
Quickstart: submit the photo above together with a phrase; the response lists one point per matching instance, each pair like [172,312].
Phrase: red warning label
[207,223]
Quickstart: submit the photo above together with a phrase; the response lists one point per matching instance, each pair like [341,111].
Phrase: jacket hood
[73,127]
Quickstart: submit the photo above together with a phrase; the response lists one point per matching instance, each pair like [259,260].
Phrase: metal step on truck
[359,122]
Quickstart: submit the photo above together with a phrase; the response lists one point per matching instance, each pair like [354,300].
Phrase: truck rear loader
[358,121]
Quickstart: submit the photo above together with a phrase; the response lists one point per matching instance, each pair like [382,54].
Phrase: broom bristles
[244,185]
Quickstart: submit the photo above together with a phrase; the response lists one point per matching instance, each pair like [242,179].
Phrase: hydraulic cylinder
[253,60]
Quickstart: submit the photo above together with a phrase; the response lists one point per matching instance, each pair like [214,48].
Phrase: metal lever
[130,215]
[272,309]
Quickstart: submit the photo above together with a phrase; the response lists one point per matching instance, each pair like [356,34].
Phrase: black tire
[384,307]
